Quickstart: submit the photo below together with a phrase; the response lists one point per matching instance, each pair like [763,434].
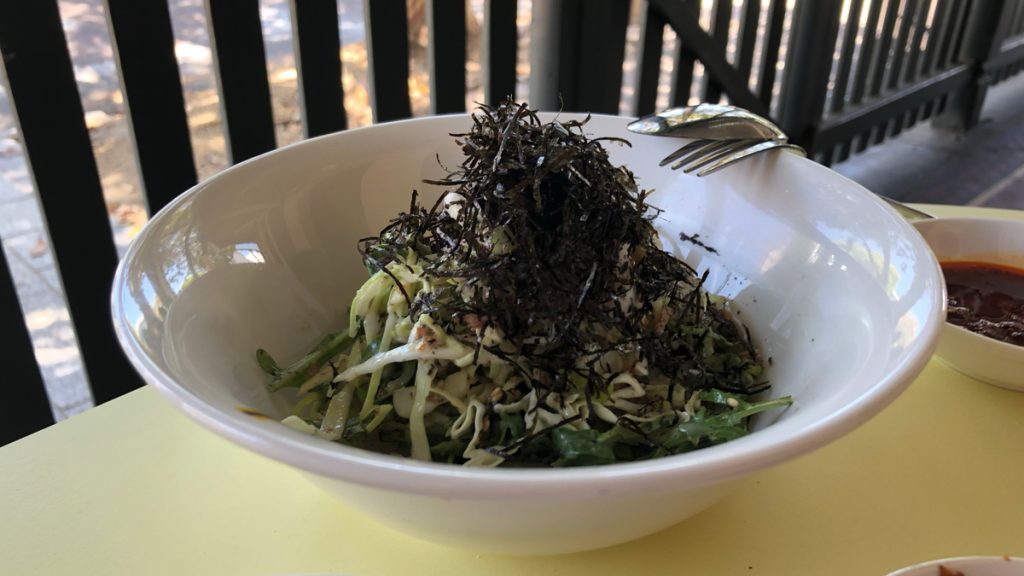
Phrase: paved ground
[984,167]
[39,287]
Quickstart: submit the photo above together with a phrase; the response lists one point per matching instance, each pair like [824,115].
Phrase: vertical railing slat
[896,71]
[943,14]
[25,408]
[601,49]
[140,31]
[808,63]
[446,25]
[881,60]
[684,59]
[902,40]
[317,47]
[926,110]
[554,40]
[649,68]
[913,68]
[948,51]
[930,62]
[866,54]
[720,33]
[682,75]
[912,117]
[500,45]
[387,34]
[241,67]
[1011,17]
[42,89]
[844,72]
[879,63]
[772,43]
[748,37]
[842,151]
[846,56]
[1015,11]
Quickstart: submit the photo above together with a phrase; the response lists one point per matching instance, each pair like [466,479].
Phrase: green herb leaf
[510,426]
[707,428]
[267,363]
[449,450]
[306,367]
[580,448]
[686,436]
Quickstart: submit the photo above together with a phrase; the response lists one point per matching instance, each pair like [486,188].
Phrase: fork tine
[735,148]
[748,152]
[686,149]
[710,148]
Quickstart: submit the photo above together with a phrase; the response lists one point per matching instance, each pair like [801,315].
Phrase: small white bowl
[841,292]
[993,240]
[969,565]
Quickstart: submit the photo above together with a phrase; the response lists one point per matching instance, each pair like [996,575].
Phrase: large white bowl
[843,295]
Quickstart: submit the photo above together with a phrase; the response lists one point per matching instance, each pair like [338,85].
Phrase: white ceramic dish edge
[970,565]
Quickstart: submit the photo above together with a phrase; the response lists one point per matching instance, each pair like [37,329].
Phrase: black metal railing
[1008,59]
[855,73]
[851,78]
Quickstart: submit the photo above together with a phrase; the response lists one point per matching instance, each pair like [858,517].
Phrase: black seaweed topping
[548,241]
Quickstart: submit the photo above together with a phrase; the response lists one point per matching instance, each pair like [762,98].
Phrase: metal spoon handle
[707,121]
[908,212]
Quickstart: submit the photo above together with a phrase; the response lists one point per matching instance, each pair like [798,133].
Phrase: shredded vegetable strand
[385,345]
[417,430]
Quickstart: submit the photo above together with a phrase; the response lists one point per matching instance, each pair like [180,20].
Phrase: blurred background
[984,166]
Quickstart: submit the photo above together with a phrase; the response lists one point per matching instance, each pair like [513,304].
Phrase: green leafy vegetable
[306,367]
[580,448]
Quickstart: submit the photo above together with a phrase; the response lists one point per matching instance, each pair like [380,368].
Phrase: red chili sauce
[987,299]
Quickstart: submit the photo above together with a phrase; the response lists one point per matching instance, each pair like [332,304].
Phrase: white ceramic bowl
[842,293]
[969,565]
[990,240]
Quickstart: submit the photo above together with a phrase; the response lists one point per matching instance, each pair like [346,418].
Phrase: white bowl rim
[703,467]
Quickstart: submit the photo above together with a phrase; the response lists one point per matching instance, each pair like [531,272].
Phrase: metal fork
[723,136]
[707,156]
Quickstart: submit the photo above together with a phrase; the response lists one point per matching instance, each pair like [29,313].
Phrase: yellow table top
[134,487]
